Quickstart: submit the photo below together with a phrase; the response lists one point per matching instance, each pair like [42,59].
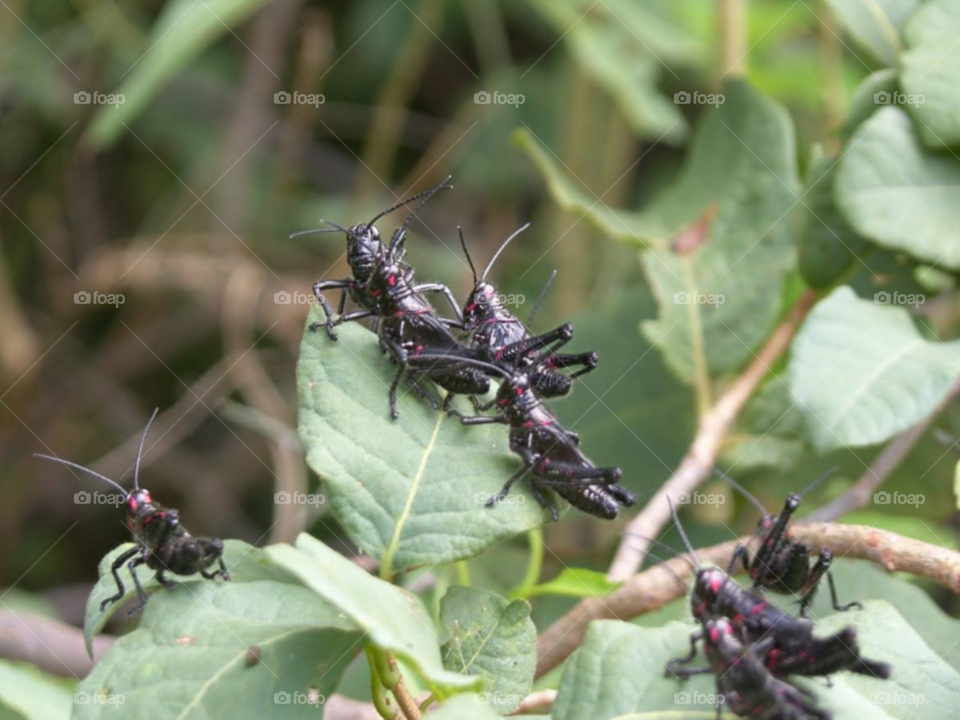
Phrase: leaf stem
[732,37]
[535,566]
[380,701]
[463,573]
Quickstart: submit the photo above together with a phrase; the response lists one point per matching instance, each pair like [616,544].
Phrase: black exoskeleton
[783,565]
[497,331]
[163,544]
[550,453]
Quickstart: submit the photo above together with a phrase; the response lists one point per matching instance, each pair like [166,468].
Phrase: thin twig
[886,462]
[713,428]
[408,706]
[654,588]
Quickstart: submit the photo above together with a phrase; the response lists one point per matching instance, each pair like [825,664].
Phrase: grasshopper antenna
[83,469]
[406,201]
[663,545]
[427,195]
[463,244]
[742,490]
[683,533]
[819,480]
[506,242]
[539,302]
[335,228]
[143,437]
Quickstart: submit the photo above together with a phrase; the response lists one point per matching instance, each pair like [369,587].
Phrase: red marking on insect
[758,608]
[470,308]
[738,618]
[700,609]
[714,635]
[376,293]
[715,584]
[518,391]
[528,424]
[392,280]
[773,658]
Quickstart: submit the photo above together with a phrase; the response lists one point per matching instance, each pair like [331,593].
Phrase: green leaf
[466,707]
[728,209]
[618,672]
[630,227]
[493,638]
[183,31]
[28,693]
[875,24]
[411,491]
[861,372]
[896,192]
[931,69]
[626,48]
[209,649]
[576,582]
[827,245]
[863,104]
[392,618]
[244,562]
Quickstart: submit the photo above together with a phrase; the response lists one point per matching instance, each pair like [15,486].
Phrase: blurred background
[242,121]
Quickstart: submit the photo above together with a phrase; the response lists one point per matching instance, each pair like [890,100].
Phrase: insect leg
[115,569]
[132,567]
[588,360]
[741,554]
[318,287]
[440,287]
[832,587]
[503,491]
[673,665]
[166,582]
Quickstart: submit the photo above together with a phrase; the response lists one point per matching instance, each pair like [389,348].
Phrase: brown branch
[537,703]
[408,706]
[713,428]
[885,463]
[654,588]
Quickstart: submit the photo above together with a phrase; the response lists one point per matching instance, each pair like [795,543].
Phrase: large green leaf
[861,372]
[729,204]
[727,212]
[618,672]
[244,562]
[391,617]
[239,648]
[184,29]
[494,638]
[875,25]
[576,582]
[896,192]
[410,491]
[931,68]
[27,693]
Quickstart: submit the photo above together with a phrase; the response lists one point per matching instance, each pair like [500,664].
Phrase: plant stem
[713,427]
[732,37]
[380,702]
[530,580]
[463,573]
